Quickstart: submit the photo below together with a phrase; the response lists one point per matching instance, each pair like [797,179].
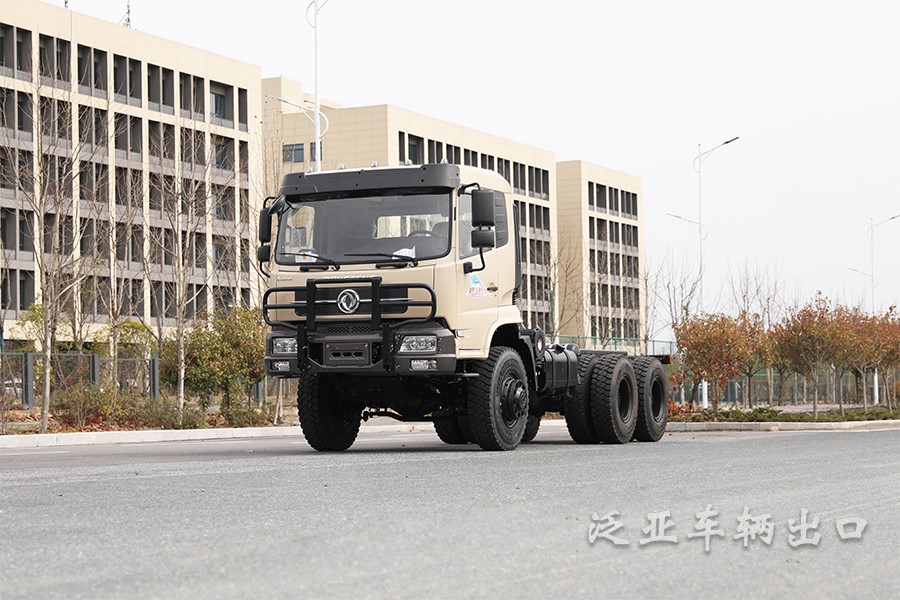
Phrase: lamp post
[872,227]
[704,232]
[314,23]
[698,164]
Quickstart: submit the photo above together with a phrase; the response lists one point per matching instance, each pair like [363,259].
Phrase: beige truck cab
[392,292]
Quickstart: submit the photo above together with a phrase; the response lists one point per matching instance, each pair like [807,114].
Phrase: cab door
[478,290]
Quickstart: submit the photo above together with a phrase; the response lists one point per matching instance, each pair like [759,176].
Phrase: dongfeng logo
[348,301]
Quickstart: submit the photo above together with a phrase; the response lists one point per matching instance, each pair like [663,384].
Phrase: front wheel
[531,428]
[498,400]
[328,424]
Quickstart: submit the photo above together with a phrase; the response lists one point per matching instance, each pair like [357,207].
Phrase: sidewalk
[382,425]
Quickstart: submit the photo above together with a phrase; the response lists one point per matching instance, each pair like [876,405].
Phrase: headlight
[284,345]
[419,343]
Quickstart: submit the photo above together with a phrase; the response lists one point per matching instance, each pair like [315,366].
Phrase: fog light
[284,345]
[424,364]
[419,343]
[281,365]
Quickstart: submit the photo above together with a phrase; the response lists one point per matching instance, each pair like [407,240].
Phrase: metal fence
[632,346]
[23,374]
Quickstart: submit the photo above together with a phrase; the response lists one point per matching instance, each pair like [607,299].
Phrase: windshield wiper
[409,260]
[324,263]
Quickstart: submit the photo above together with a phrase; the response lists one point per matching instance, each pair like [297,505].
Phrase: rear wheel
[577,403]
[614,399]
[454,430]
[498,400]
[653,409]
[328,424]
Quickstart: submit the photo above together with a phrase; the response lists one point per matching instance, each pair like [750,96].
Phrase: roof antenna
[128,14]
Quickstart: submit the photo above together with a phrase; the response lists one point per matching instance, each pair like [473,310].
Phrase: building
[138,165]
[140,152]
[587,289]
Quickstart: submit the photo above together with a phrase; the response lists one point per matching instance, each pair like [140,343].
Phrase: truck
[392,291]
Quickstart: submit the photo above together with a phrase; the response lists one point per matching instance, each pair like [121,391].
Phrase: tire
[577,403]
[614,404]
[327,425]
[498,400]
[452,431]
[531,428]
[653,408]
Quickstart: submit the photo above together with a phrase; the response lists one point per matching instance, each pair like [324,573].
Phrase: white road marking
[36,452]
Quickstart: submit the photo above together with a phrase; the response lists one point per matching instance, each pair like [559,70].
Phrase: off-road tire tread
[604,405]
[531,428]
[481,424]
[643,371]
[318,428]
[450,431]
[577,409]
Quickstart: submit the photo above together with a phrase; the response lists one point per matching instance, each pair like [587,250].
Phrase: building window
[217,104]
[293,153]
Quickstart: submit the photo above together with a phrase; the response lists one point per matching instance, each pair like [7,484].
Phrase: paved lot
[403,515]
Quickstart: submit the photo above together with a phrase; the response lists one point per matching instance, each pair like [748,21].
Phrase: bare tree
[41,153]
[193,233]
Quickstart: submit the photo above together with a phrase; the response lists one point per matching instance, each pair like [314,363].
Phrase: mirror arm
[468,268]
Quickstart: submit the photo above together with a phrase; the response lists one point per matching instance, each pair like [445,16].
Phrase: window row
[55,63]
[605,296]
[296,153]
[525,179]
[603,198]
[606,328]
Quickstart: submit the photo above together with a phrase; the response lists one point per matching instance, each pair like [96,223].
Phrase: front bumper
[362,352]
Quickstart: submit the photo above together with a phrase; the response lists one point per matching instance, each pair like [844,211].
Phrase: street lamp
[698,163]
[872,227]
[704,396]
[314,23]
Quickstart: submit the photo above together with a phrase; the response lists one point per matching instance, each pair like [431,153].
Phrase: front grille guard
[374,320]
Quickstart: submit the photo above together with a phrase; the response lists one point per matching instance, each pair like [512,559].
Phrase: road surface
[405,516]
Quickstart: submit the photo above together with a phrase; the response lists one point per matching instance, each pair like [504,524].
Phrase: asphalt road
[404,516]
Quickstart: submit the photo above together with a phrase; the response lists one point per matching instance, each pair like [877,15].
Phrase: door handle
[491,288]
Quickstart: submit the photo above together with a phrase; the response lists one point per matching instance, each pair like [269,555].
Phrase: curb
[681,426]
[177,435]
[82,438]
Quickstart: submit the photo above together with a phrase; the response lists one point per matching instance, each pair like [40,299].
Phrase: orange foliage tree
[714,348]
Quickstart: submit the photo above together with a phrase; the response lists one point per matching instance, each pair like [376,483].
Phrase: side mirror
[265,226]
[482,238]
[483,208]
[264,253]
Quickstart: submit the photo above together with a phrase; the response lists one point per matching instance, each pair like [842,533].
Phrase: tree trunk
[816,395]
[865,383]
[750,391]
[840,389]
[770,381]
[114,357]
[181,370]
[695,388]
[715,390]
[45,395]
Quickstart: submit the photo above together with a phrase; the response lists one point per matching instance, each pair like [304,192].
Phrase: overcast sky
[811,87]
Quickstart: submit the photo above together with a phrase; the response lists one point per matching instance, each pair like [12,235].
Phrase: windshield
[375,227]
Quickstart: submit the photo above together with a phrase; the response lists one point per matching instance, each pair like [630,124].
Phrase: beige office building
[149,150]
[579,224]
[163,153]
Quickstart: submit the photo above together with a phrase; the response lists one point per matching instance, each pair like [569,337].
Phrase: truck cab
[392,291]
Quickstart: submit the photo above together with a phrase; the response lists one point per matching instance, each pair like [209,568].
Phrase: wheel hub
[513,399]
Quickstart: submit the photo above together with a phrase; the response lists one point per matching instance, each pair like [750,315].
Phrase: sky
[812,88]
